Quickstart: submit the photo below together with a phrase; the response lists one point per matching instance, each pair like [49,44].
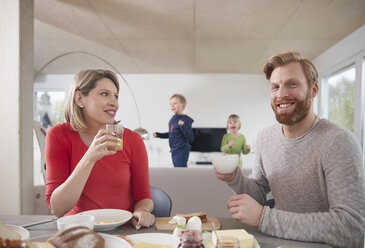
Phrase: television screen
[207,139]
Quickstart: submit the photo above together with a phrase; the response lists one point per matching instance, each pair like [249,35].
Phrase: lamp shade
[143,132]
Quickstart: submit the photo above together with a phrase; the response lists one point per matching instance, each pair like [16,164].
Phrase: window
[339,99]
[48,111]
[49,108]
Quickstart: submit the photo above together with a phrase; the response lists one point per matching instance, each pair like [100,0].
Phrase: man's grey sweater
[317,182]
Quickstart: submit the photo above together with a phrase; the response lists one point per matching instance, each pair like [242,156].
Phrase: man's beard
[299,113]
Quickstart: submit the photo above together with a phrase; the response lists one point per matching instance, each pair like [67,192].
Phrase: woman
[82,173]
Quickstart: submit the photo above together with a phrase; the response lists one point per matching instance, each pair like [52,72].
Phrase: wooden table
[50,228]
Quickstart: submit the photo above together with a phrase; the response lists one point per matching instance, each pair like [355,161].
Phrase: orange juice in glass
[117,130]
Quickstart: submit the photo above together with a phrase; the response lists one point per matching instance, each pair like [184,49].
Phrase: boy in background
[180,132]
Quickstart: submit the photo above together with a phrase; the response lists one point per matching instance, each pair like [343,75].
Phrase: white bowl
[108,219]
[24,233]
[226,163]
[69,221]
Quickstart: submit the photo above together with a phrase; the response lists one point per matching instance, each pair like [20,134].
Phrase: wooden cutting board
[163,224]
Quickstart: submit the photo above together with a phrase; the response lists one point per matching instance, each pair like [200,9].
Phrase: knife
[37,223]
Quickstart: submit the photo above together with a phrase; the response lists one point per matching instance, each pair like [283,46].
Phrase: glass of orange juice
[117,130]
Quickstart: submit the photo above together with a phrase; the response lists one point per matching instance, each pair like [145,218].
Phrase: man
[312,167]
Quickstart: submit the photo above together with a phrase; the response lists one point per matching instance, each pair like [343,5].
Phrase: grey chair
[161,201]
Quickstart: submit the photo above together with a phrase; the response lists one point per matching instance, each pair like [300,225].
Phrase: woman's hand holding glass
[99,146]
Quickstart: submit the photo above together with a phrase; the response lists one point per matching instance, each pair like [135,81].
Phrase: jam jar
[191,239]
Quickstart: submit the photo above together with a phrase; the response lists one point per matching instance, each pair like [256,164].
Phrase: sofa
[190,189]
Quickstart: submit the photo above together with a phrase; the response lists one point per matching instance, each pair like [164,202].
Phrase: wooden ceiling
[187,36]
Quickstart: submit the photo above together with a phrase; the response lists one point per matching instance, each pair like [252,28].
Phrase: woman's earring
[81,106]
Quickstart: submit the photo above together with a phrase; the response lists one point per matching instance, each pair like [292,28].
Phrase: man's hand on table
[245,209]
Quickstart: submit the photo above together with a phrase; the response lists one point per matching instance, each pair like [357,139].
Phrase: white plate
[114,242]
[156,238]
[117,217]
[24,233]
[110,241]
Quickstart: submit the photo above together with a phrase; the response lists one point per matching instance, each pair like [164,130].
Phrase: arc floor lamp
[140,130]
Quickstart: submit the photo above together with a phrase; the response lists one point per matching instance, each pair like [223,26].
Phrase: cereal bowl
[225,163]
[69,221]
[108,219]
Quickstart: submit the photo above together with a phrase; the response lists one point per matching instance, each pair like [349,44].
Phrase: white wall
[210,99]
[16,81]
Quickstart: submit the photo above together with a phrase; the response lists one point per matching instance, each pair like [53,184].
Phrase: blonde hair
[180,97]
[234,117]
[281,59]
[84,82]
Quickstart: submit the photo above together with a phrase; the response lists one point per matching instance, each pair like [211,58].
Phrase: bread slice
[77,237]
[7,233]
[201,215]
[40,245]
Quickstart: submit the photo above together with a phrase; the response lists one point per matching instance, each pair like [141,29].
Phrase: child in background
[180,132]
[234,142]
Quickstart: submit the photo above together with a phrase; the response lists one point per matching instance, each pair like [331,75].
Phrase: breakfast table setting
[42,227]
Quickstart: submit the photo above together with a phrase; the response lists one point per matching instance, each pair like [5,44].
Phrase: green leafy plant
[341,103]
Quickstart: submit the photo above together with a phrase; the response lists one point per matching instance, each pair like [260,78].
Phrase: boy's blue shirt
[179,136]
